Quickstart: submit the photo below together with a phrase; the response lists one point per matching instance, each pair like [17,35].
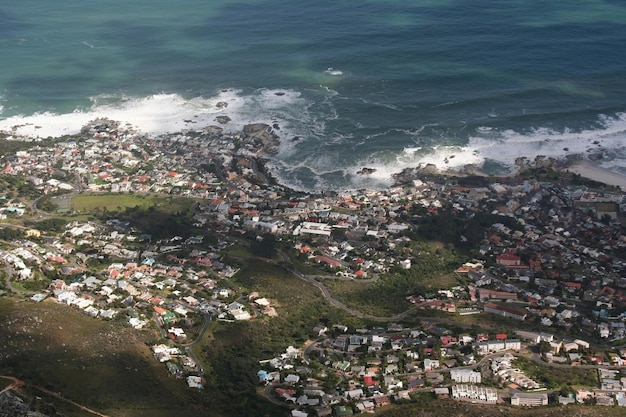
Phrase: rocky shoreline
[521,164]
[256,143]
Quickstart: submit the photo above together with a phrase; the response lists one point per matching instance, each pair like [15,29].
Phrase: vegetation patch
[234,350]
[110,202]
[451,408]
[555,377]
[161,216]
[387,296]
[106,366]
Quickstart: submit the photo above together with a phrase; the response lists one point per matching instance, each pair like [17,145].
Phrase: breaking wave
[325,147]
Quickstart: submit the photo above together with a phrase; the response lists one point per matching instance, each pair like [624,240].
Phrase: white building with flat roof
[465,375]
[474,393]
[529,399]
[312,228]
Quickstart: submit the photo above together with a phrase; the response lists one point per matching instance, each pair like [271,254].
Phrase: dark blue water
[412,82]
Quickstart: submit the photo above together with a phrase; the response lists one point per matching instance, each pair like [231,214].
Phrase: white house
[465,375]
[430,364]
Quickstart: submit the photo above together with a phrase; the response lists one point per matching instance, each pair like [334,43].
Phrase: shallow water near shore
[448,82]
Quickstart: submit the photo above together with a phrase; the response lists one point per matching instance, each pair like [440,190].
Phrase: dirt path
[17,384]
[75,404]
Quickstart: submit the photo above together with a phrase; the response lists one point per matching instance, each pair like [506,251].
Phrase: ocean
[383,84]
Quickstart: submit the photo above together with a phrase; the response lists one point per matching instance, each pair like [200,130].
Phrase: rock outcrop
[366,171]
[265,134]
[222,119]
[13,406]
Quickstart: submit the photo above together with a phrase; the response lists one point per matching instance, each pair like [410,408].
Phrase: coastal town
[547,265]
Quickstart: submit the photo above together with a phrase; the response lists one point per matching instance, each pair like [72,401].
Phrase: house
[505,311]
[508,260]
[474,393]
[265,376]
[529,399]
[313,228]
[490,346]
[366,406]
[292,379]
[333,263]
[443,392]
[415,383]
[382,401]
[194,381]
[465,375]
[324,411]
[319,330]
[430,364]
[582,344]
[354,394]
[487,294]
[447,341]
[532,337]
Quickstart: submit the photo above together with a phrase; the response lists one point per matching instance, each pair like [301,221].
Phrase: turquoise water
[447,82]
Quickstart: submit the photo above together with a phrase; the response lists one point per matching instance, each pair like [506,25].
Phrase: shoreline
[593,170]
[574,164]
[262,143]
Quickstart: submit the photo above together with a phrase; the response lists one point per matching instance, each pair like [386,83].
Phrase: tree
[544,347]
[264,247]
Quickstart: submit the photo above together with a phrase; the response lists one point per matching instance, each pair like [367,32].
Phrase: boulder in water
[366,171]
[213,130]
[222,119]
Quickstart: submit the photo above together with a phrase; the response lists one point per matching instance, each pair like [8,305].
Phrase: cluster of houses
[140,291]
[612,390]
[502,367]
[179,364]
[554,255]
[381,366]
[563,248]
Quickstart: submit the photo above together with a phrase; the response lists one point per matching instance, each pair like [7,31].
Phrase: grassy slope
[234,352]
[102,365]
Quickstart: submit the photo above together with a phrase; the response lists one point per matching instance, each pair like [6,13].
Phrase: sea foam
[161,113]
[320,149]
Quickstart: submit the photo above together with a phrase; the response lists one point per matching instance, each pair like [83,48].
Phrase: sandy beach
[595,172]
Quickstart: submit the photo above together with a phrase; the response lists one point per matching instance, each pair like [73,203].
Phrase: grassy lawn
[111,202]
[151,203]
[159,215]
[239,250]
[431,270]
